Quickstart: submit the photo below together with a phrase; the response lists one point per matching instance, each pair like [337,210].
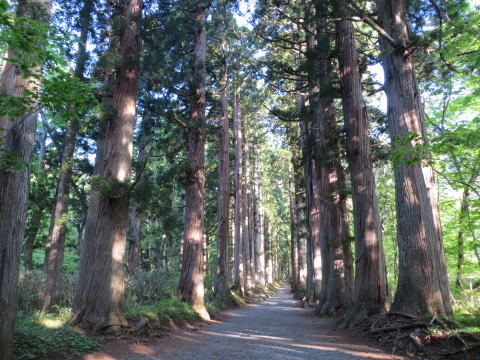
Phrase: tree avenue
[165,160]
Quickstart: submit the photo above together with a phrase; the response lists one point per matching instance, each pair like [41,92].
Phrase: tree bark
[422,282]
[251,215]
[326,158]
[40,204]
[58,226]
[371,288]
[133,256]
[463,222]
[135,218]
[220,288]
[259,230]
[314,258]
[100,289]
[238,276]
[293,235]
[17,143]
[348,270]
[268,253]
[247,223]
[301,227]
[190,287]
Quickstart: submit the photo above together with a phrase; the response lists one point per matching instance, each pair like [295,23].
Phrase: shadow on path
[277,329]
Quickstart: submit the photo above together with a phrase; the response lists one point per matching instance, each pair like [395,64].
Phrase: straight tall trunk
[251,216]
[301,204]
[326,158]
[293,236]
[371,289]
[259,230]
[314,258]
[463,222]
[58,226]
[17,136]
[238,275]
[169,232]
[345,239]
[422,280]
[133,257]
[191,287]
[40,204]
[247,222]
[220,287]
[301,229]
[135,218]
[99,296]
[268,253]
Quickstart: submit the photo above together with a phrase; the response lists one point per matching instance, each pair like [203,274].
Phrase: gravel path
[277,329]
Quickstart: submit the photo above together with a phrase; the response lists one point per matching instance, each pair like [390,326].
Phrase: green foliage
[44,336]
[11,163]
[149,287]
[31,286]
[66,96]
[110,187]
[163,311]
[410,149]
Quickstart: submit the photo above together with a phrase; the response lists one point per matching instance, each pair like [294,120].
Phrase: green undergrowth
[47,336]
[162,311]
[467,322]
[216,305]
[268,290]
[466,313]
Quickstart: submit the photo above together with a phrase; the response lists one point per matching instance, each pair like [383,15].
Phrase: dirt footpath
[277,329]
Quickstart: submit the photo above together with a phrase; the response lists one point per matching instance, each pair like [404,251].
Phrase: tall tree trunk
[247,223]
[293,235]
[371,288]
[17,143]
[422,281]
[191,286]
[348,271]
[169,232]
[268,253]
[220,288]
[300,161]
[133,257]
[58,226]
[259,230]
[251,216]
[135,217]
[100,289]
[314,258]
[40,204]
[326,158]
[463,222]
[238,276]
[301,230]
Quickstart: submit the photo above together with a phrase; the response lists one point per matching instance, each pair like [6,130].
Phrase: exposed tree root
[420,338]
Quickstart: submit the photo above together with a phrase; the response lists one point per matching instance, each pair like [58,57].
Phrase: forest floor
[278,328]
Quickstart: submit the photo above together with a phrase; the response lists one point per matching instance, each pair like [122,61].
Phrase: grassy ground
[466,311]
[43,336]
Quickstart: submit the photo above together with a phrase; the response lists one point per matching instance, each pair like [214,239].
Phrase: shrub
[149,287]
